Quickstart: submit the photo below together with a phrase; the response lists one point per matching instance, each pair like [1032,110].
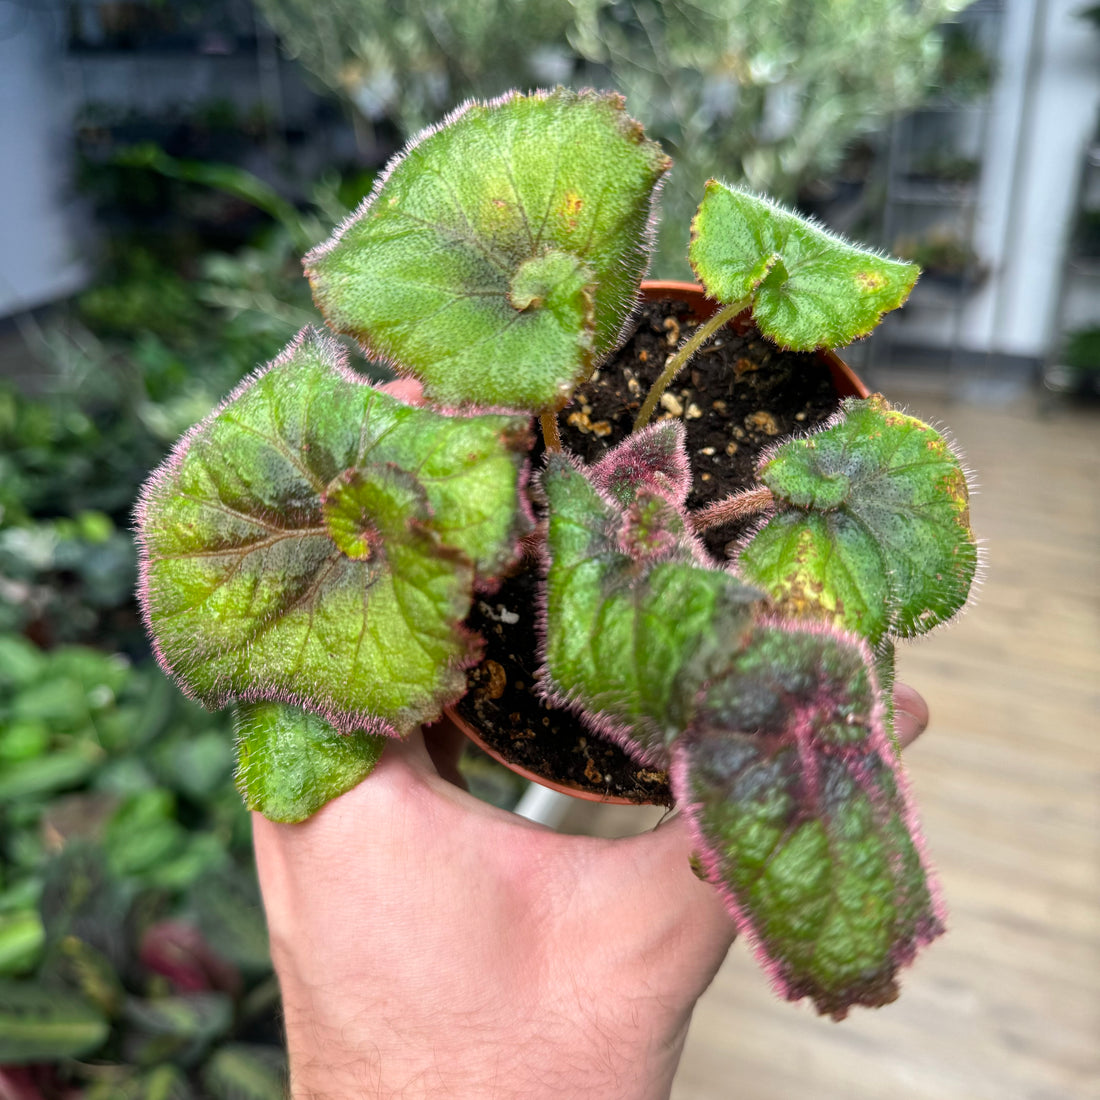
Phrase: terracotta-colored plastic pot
[847,383]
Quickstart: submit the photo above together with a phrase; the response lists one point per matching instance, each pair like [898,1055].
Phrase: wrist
[342,1051]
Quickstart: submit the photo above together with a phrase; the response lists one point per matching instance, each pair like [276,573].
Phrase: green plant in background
[942,253]
[312,548]
[1077,368]
[966,70]
[124,855]
[1083,349]
[145,352]
[768,94]
[1086,239]
[124,848]
[946,167]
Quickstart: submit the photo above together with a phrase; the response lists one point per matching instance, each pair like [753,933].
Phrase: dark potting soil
[739,396]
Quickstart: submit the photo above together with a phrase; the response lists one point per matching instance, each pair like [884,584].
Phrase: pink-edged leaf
[654,459]
[797,803]
[636,619]
[871,527]
[498,258]
[315,541]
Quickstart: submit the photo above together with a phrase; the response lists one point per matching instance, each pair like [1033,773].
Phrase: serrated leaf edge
[629,127]
[981,566]
[903,954]
[344,721]
[818,227]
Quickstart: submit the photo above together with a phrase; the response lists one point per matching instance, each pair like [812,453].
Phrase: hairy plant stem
[683,353]
[550,434]
[749,502]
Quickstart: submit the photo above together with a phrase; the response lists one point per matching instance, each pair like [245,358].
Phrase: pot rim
[846,381]
[586,794]
[847,384]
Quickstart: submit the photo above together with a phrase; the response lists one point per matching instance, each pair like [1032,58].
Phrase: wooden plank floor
[1006,1006]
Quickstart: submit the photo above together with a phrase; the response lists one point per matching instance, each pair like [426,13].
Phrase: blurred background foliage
[770,93]
[133,961]
[125,850]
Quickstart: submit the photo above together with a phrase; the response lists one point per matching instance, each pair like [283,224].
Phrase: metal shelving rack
[1079,281]
[933,164]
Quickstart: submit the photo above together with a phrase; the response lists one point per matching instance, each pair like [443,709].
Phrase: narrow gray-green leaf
[45,1025]
[191,1016]
[163,1082]
[245,1071]
[21,940]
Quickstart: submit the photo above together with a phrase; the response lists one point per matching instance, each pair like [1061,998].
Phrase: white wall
[1044,112]
[39,252]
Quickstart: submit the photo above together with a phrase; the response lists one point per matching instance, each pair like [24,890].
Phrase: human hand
[431,945]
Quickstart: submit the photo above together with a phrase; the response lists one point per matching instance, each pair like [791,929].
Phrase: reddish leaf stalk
[550,434]
[751,502]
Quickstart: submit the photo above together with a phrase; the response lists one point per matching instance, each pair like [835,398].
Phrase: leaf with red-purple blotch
[636,619]
[654,459]
[798,807]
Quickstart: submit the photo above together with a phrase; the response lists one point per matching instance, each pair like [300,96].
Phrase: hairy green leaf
[776,729]
[794,795]
[498,259]
[44,1025]
[872,528]
[807,287]
[315,541]
[886,672]
[635,623]
[291,762]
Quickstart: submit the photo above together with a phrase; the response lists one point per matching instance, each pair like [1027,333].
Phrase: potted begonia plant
[312,551]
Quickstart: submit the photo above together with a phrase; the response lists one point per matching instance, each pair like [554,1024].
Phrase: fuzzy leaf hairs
[498,259]
[872,525]
[807,288]
[804,287]
[802,819]
[312,549]
[774,727]
[316,543]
